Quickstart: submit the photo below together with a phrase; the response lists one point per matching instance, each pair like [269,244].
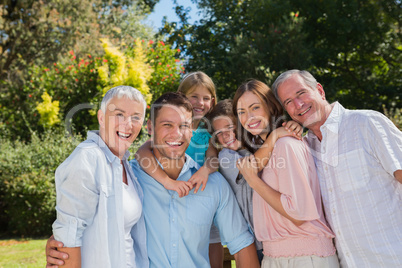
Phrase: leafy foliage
[79,83]
[27,192]
[352,47]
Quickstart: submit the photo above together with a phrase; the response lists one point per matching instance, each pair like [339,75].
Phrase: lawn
[22,253]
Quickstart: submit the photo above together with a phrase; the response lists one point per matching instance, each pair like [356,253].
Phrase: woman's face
[252,114]
[225,133]
[201,99]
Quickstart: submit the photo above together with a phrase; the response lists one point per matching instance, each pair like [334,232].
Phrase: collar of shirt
[94,136]
[189,163]
[331,124]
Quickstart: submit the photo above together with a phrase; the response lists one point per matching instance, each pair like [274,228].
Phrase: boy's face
[120,124]
[171,132]
[225,133]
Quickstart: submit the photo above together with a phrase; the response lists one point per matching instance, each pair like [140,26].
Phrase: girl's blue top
[199,144]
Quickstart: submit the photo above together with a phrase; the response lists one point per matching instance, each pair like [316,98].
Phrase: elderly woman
[99,201]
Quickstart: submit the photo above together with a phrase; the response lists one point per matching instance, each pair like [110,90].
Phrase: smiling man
[358,155]
[178,228]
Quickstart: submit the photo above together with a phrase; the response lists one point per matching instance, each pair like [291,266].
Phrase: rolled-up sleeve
[230,221]
[77,197]
[385,140]
[294,179]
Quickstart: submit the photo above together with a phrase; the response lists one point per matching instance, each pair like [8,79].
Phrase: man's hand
[54,257]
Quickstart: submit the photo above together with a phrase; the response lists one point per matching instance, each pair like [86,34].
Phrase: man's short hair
[120,92]
[170,98]
[307,77]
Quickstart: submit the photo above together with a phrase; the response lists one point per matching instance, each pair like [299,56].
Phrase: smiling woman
[287,196]
[99,200]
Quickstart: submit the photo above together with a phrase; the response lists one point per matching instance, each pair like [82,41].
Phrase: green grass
[22,253]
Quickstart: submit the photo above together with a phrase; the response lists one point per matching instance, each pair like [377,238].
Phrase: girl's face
[252,114]
[201,99]
[225,132]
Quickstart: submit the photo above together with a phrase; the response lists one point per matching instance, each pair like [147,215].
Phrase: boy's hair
[120,92]
[222,108]
[170,98]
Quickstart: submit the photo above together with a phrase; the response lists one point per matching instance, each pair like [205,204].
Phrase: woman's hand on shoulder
[293,128]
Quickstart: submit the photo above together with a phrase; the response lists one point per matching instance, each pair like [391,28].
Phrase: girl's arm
[211,165]
[263,154]
[148,163]
[248,168]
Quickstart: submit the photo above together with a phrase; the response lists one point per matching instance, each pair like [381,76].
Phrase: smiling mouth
[305,111]
[174,143]
[198,110]
[230,142]
[123,136]
[254,125]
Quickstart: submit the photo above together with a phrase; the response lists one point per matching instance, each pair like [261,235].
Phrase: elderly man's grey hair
[120,92]
[305,75]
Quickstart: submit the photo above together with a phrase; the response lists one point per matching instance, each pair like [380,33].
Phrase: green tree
[352,47]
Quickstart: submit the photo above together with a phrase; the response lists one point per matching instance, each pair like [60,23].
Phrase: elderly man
[358,155]
[178,228]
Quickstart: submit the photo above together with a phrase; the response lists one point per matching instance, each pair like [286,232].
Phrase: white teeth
[174,143]
[305,111]
[123,135]
[198,110]
[254,125]
[230,142]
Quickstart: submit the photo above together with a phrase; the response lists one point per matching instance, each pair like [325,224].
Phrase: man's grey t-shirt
[243,192]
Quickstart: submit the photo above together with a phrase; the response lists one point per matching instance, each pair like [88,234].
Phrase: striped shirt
[356,159]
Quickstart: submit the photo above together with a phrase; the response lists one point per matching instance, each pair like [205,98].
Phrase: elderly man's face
[304,104]
[121,124]
[171,132]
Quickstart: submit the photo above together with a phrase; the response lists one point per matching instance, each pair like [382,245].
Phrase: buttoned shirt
[178,228]
[359,152]
[89,185]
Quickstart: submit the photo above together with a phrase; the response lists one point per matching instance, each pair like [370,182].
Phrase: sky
[166,8]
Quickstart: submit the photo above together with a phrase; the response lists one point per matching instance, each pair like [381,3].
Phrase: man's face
[121,123]
[171,132]
[304,104]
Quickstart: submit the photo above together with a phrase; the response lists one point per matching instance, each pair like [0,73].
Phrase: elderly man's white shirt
[359,152]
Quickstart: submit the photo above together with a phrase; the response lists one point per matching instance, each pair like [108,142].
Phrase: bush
[395,115]
[27,191]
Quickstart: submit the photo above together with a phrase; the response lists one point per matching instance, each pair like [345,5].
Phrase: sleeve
[227,164]
[385,141]
[234,232]
[77,198]
[293,168]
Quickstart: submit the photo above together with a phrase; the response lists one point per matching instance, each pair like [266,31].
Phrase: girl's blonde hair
[198,79]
